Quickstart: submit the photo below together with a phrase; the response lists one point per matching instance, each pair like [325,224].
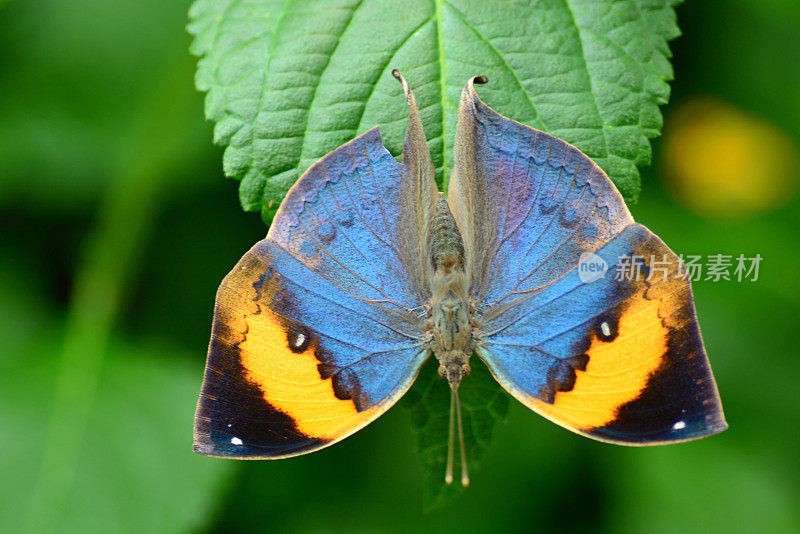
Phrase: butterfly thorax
[452,340]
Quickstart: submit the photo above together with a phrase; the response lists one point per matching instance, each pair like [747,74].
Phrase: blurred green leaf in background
[117,228]
[100,131]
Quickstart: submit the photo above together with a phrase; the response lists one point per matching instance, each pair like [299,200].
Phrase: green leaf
[77,452]
[74,139]
[483,404]
[136,469]
[288,82]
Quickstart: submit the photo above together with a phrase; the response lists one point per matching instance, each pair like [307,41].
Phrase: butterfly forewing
[316,331]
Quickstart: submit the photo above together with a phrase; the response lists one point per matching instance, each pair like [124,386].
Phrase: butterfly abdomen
[447,248]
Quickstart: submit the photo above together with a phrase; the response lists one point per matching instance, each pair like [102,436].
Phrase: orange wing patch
[264,395]
[643,378]
[617,370]
[290,381]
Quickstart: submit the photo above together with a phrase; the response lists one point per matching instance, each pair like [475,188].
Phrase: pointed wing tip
[211,450]
[679,432]
[710,429]
[406,89]
[716,423]
[202,448]
[238,449]
[470,87]
[718,428]
[373,134]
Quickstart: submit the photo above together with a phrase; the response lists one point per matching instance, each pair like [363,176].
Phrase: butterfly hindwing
[315,331]
[616,360]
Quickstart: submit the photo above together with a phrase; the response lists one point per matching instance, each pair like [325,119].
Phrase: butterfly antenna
[464,473]
[448,476]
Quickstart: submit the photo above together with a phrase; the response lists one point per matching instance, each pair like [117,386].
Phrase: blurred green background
[117,227]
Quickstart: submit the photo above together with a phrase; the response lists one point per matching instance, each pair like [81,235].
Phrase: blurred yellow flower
[721,161]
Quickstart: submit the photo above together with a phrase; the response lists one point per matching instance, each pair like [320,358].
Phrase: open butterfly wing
[615,360]
[315,330]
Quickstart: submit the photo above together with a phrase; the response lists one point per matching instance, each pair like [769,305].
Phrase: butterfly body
[368,270]
[450,306]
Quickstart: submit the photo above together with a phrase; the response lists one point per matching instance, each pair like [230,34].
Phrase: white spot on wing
[236,441]
[605,328]
[679,425]
[299,340]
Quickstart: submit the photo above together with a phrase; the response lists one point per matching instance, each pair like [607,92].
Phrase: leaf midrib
[509,68]
[443,91]
[589,77]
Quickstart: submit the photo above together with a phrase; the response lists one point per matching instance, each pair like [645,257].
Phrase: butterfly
[368,270]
